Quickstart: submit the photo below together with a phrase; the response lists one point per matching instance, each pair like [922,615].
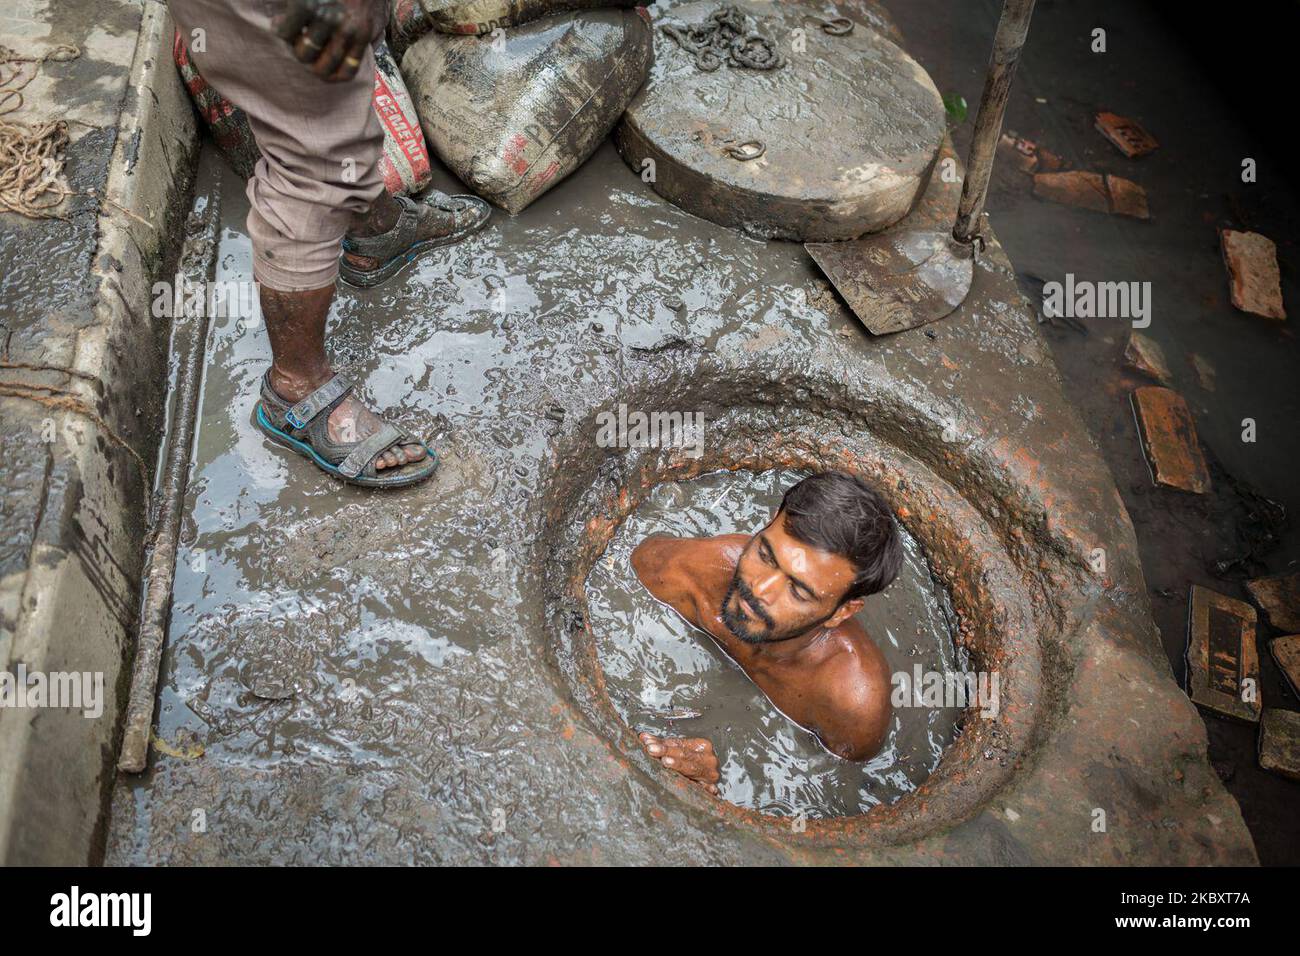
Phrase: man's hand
[330,36]
[692,757]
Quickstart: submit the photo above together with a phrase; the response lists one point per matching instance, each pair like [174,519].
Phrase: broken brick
[1100,193]
[1286,651]
[1169,440]
[1222,663]
[1021,153]
[1279,596]
[1127,134]
[1143,354]
[1279,742]
[1049,162]
[1027,156]
[1127,198]
[1256,283]
[1078,188]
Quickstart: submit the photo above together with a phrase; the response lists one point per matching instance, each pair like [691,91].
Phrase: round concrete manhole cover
[834,142]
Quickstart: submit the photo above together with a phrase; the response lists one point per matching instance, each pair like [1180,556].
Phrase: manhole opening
[992,625]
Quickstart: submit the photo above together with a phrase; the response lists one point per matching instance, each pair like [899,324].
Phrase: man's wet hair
[842,514]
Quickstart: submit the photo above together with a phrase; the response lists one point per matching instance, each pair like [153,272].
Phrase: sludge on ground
[354,677]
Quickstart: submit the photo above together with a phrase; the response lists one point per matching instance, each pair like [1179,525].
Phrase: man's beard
[735,620]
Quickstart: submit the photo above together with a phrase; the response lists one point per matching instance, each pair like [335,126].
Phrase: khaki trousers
[320,141]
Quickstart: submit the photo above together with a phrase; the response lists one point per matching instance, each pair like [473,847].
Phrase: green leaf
[955,104]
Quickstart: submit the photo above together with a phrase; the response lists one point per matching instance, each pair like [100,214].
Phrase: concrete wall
[84,373]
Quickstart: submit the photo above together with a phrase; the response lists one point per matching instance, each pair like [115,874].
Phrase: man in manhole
[781,604]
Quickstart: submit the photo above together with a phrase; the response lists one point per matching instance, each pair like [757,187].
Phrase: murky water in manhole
[655,663]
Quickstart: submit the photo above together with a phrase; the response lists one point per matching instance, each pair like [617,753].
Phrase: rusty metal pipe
[1013,28]
[196,264]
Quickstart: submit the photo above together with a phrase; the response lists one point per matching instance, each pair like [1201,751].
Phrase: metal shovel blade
[903,278]
[898,280]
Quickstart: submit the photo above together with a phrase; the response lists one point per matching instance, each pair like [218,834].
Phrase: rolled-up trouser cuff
[287,264]
[320,142]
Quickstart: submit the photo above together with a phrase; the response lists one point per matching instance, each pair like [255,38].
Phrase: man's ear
[844,612]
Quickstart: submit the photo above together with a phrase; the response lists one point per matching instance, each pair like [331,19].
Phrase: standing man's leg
[317,180]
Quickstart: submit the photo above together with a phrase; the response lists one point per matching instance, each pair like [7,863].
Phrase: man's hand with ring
[330,36]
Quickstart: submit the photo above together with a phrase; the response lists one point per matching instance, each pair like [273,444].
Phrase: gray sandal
[399,246]
[304,428]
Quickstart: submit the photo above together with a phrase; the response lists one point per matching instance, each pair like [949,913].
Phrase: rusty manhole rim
[967,559]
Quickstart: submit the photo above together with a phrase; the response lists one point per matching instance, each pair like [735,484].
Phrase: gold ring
[351,61]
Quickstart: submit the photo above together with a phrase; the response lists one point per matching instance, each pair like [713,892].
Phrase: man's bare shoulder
[673,569]
[855,711]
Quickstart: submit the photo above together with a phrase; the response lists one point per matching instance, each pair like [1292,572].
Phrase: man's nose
[765,586]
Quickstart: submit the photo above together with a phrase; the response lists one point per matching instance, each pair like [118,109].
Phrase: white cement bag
[513,116]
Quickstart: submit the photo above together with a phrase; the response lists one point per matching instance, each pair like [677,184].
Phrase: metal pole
[1013,27]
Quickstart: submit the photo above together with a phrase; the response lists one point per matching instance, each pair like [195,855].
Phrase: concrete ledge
[73,606]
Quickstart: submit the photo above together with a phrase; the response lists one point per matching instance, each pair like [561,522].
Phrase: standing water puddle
[661,672]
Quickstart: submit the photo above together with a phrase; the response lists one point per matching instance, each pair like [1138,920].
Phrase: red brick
[1286,651]
[1169,440]
[1127,198]
[1087,190]
[1077,188]
[1255,281]
[1021,153]
[1279,596]
[1279,742]
[1222,663]
[1143,354]
[1127,134]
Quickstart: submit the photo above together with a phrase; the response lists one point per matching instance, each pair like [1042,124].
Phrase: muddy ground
[357,680]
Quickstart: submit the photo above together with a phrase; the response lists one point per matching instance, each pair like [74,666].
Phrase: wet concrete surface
[366,678]
[1170,73]
[669,678]
[355,677]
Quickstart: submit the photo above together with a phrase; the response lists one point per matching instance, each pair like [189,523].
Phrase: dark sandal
[304,427]
[399,246]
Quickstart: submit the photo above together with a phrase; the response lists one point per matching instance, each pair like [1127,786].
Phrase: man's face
[783,587]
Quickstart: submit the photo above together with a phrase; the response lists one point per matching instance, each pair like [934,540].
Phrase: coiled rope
[31,154]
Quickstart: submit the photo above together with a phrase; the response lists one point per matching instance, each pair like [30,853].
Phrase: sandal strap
[393,241]
[322,400]
[370,448]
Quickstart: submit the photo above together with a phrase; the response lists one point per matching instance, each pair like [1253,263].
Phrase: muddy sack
[404,162]
[408,20]
[513,115]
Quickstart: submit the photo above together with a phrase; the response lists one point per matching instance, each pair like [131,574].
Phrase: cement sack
[408,20]
[405,159]
[513,115]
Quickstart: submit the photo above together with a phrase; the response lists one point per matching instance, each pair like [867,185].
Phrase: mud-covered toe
[303,427]
[399,246]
